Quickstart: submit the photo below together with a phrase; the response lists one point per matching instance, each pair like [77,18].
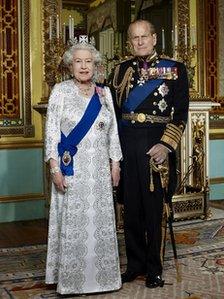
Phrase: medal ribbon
[140,93]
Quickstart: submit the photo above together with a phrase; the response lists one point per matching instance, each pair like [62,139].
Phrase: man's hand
[159,153]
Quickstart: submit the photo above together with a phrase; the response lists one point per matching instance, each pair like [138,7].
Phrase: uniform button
[132,112]
[155,93]
[133,121]
[131,85]
[154,103]
[154,112]
[132,79]
[134,62]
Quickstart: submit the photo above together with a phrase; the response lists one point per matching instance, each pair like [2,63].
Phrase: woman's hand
[59,181]
[57,177]
[159,153]
[115,173]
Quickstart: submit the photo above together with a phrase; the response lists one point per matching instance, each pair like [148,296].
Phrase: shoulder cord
[124,83]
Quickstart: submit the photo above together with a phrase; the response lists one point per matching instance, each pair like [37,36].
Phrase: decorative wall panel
[15,106]
[183,18]
[9,84]
[211,47]
[214,48]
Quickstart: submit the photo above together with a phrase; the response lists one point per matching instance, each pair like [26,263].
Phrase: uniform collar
[148,58]
[147,61]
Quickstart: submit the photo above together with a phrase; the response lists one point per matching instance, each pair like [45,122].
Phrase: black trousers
[142,209]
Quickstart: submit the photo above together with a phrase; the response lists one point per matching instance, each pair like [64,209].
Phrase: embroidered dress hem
[63,291]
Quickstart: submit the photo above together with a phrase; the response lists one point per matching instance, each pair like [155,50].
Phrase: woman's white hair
[68,55]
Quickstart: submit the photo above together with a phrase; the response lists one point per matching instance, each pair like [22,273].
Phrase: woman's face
[83,65]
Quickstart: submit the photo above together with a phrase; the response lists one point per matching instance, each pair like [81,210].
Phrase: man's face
[141,38]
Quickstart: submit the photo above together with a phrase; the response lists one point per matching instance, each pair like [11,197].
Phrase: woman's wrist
[115,165]
[54,170]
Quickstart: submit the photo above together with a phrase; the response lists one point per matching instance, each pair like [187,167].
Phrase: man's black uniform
[159,118]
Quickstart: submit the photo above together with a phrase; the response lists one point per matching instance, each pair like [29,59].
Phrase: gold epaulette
[172,134]
[127,59]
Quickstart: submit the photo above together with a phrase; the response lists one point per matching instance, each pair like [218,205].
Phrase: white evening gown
[82,252]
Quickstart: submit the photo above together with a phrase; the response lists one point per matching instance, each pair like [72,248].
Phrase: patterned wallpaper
[221,49]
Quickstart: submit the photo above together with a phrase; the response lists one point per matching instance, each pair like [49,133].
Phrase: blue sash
[140,93]
[67,148]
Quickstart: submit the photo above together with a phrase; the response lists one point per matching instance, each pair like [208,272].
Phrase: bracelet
[55,169]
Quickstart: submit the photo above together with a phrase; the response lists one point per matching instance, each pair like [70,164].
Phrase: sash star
[162,105]
[163,89]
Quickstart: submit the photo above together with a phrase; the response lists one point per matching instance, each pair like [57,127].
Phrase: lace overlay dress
[82,252]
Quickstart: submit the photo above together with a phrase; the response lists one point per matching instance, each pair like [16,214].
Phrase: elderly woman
[83,151]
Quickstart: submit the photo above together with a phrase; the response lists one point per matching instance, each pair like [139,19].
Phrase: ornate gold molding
[22,197]
[217,180]
[182,17]
[216,136]
[51,8]
[25,144]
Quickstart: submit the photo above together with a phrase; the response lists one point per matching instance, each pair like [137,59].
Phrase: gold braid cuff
[172,135]
[125,83]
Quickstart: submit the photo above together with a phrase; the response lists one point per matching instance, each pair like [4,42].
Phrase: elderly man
[151,99]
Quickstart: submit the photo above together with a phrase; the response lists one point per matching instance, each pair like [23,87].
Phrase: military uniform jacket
[169,98]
